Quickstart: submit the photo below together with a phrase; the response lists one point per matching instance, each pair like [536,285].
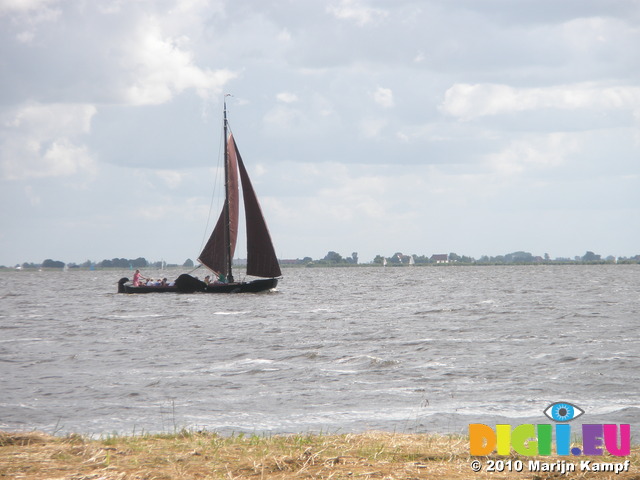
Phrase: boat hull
[254,286]
[123,287]
[188,284]
[145,289]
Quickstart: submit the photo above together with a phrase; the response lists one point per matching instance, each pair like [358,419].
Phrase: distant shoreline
[328,265]
[334,259]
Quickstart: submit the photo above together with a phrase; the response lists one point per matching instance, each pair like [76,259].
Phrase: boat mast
[226,194]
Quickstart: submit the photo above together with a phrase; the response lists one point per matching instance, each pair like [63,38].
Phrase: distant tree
[519,257]
[397,257]
[188,263]
[86,264]
[138,263]
[590,257]
[454,257]
[354,257]
[116,263]
[48,263]
[333,257]
[562,260]
[121,263]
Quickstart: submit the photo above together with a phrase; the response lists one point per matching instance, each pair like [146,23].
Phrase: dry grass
[201,455]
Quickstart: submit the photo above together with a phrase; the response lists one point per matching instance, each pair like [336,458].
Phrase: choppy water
[333,350]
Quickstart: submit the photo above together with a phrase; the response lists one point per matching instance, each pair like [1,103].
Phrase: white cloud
[356,11]
[371,127]
[159,68]
[284,36]
[171,178]
[287,97]
[154,211]
[535,153]
[163,208]
[384,97]
[282,118]
[25,6]
[41,141]
[27,15]
[34,198]
[64,158]
[469,101]
[52,119]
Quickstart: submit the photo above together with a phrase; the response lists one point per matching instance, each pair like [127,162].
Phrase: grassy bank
[191,455]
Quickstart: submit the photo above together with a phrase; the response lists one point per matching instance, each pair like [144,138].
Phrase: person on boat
[136,278]
[207,279]
[163,283]
[220,278]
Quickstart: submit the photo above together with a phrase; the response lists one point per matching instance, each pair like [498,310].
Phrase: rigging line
[194,269]
[213,193]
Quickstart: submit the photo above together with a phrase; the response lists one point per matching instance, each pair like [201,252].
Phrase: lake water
[422,349]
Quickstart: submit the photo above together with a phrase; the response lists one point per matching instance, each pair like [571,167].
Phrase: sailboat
[217,254]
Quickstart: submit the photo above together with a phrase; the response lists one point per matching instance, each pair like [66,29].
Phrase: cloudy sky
[480,127]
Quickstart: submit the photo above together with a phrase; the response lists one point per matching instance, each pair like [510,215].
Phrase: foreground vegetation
[202,455]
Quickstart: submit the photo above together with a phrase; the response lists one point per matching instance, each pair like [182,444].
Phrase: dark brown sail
[215,254]
[261,256]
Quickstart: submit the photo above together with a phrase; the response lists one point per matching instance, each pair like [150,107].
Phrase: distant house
[289,261]
[439,258]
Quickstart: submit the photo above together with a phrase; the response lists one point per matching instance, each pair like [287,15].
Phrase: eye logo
[563,412]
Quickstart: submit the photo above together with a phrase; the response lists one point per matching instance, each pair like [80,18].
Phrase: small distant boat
[217,254]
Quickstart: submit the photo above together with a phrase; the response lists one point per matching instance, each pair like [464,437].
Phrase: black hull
[255,286]
[124,288]
[188,284]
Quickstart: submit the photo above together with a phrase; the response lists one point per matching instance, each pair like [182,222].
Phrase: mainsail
[261,256]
